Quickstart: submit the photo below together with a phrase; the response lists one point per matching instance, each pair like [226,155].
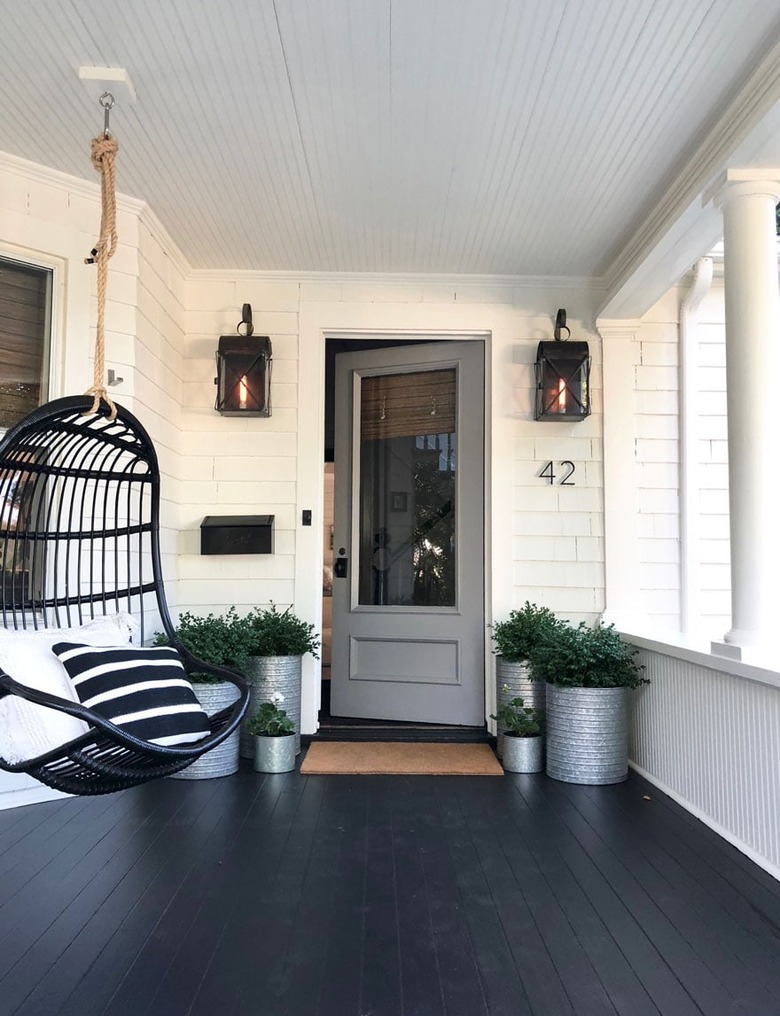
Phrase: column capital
[736,183]
[618,327]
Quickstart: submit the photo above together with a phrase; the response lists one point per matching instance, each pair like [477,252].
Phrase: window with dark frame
[25,324]
[25,331]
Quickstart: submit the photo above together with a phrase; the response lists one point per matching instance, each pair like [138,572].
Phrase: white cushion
[27,729]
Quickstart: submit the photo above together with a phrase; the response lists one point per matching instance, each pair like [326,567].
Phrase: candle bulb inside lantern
[561,395]
[242,392]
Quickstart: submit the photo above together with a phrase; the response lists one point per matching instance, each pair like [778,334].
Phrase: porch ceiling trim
[682,227]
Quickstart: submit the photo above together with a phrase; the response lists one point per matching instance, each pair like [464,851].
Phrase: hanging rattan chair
[80,538]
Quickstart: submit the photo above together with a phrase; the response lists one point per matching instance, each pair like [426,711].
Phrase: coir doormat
[400,758]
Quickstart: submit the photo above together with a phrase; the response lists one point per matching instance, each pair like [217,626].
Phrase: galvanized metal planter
[268,675]
[513,680]
[523,754]
[273,754]
[222,760]
[587,734]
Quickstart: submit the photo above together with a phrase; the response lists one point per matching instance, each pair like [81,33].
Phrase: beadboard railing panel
[712,740]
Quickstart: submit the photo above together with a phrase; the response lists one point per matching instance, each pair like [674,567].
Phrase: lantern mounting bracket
[560,323]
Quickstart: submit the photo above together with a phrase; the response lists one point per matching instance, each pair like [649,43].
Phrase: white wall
[656,466]
[157,374]
[647,396]
[713,547]
[546,541]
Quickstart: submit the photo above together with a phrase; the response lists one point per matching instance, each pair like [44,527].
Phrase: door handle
[340,567]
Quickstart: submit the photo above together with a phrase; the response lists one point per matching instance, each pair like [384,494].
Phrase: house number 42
[548,472]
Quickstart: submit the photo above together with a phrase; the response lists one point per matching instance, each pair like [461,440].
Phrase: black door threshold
[400,732]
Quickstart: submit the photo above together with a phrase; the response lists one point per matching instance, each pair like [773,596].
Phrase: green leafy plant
[270,720]
[270,632]
[585,657]
[216,638]
[520,720]
[523,630]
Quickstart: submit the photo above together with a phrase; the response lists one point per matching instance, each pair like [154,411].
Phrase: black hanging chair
[80,538]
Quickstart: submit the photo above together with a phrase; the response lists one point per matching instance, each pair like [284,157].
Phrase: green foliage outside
[585,657]
[216,638]
[270,632]
[520,720]
[229,640]
[270,721]
[523,630]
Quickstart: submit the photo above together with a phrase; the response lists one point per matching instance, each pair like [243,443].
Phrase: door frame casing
[311,438]
[418,689]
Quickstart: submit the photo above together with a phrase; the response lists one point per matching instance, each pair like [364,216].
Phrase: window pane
[25,300]
[408,461]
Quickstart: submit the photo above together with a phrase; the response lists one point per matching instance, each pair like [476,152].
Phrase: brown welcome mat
[402,758]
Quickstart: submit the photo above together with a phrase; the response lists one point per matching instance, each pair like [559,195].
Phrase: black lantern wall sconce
[562,377]
[244,364]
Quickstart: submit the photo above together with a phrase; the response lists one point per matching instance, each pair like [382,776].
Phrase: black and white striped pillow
[143,691]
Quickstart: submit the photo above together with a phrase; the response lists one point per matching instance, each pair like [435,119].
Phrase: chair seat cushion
[28,730]
[143,691]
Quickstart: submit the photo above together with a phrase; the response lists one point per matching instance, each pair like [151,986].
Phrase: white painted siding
[657,449]
[157,375]
[232,466]
[714,544]
[656,466]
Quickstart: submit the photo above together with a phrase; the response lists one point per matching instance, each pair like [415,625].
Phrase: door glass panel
[407,489]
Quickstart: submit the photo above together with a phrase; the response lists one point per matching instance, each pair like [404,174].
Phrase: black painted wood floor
[380,896]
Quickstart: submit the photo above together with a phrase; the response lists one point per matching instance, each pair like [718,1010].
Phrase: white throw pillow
[27,729]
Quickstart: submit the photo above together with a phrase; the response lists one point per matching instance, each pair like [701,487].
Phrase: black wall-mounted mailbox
[237,534]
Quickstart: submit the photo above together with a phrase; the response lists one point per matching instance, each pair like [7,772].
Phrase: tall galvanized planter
[268,675]
[523,754]
[222,760]
[587,734]
[513,680]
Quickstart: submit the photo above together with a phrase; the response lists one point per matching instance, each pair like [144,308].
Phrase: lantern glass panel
[244,378]
[562,381]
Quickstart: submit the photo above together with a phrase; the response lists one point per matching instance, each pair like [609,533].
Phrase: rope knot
[103,146]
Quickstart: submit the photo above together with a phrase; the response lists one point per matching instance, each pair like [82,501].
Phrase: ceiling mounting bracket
[107,101]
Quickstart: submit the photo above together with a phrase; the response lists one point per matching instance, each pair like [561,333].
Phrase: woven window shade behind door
[407,405]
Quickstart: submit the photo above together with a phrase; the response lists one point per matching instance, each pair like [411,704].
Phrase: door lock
[340,567]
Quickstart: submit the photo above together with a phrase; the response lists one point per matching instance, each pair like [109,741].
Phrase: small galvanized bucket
[523,754]
[274,754]
[587,734]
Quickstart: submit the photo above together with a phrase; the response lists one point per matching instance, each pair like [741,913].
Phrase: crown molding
[747,121]
[580,282]
[149,219]
[65,181]
[91,191]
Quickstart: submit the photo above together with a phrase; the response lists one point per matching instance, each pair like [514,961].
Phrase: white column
[689,447]
[753,390]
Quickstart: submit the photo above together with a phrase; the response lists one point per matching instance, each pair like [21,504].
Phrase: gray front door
[408,589]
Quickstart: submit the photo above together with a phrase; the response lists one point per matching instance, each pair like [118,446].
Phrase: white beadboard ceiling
[497,137]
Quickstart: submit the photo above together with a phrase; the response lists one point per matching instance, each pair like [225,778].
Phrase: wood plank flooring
[380,896]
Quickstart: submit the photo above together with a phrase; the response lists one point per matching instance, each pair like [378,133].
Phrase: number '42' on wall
[564,479]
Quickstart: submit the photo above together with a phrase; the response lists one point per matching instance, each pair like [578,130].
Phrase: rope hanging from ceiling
[104,149]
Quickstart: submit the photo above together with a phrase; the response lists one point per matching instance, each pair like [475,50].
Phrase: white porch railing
[706,731]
